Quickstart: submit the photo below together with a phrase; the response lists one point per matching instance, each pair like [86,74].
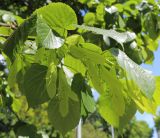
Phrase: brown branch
[12,26]
[4,24]
[6,36]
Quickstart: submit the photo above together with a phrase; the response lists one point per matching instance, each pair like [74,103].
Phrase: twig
[13,26]
[6,36]
[4,24]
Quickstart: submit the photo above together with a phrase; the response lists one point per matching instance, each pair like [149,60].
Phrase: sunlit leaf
[107,111]
[51,80]
[45,35]
[119,37]
[143,78]
[62,19]
[157,91]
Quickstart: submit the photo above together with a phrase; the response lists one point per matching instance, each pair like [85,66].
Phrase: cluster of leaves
[25,8]
[51,65]
[141,17]
[16,119]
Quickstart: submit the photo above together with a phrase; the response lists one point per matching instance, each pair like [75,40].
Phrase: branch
[6,36]
[12,26]
[4,24]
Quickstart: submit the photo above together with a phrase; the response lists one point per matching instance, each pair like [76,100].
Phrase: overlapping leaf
[107,111]
[51,80]
[84,92]
[119,37]
[157,91]
[17,39]
[14,69]
[45,35]
[87,51]
[35,85]
[75,65]
[64,109]
[143,78]
[61,20]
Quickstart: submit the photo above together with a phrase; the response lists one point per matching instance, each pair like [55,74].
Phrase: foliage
[54,63]
[96,127]
[157,123]
[143,130]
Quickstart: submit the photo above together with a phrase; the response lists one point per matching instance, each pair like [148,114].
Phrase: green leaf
[26,130]
[84,1]
[88,102]
[62,19]
[18,104]
[45,35]
[143,103]
[141,77]
[12,18]
[150,43]
[58,120]
[128,7]
[51,80]
[64,92]
[119,7]
[130,110]
[2,40]
[64,109]
[35,85]
[117,36]
[85,94]
[97,82]
[87,51]
[108,2]
[150,25]
[84,112]
[29,48]
[17,39]
[121,22]
[107,111]
[5,31]
[14,69]
[20,80]
[100,12]
[90,19]
[75,65]
[74,39]
[78,83]
[157,91]
[45,56]
[77,86]
[115,89]
[91,47]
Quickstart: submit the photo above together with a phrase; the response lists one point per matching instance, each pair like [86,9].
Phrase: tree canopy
[63,51]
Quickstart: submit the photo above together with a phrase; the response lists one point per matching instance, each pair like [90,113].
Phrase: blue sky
[156,64]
